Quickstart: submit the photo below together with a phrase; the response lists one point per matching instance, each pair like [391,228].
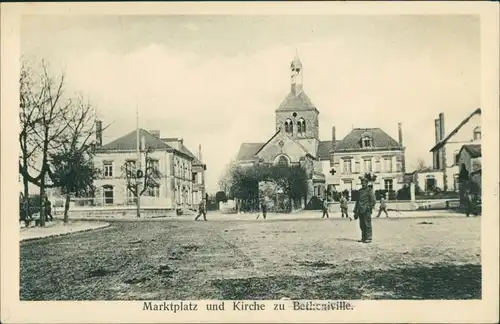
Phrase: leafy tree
[220,196]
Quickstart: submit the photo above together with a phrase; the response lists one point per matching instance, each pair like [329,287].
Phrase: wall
[291,149]
[310,116]
[420,178]
[341,175]
[464,136]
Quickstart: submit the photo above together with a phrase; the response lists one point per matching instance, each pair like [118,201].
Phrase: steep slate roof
[324,148]
[183,149]
[453,132]
[473,149]
[380,140]
[248,151]
[128,142]
[296,102]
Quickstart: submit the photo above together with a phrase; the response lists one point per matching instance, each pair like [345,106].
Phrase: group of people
[26,214]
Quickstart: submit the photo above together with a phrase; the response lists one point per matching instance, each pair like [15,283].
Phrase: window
[388,184]
[108,169]
[282,161]
[193,178]
[130,165]
[477,133]
[368,165]
[430,183]
[347,166]
[357,167]
[153,191]
[108,194]
[399,166]
[154,164]
[288,126]
[301,126]
[387,164]
[377,166]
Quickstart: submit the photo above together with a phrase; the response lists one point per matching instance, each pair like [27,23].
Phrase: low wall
[407,205]
[118,212]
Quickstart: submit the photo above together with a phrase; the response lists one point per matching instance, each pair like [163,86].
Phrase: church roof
[380,140]
[298,101]
[128,142]
[248,151]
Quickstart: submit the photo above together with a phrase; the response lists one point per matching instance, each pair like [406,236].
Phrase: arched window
[477,133]
[282,161]
[301,126]
[289,126]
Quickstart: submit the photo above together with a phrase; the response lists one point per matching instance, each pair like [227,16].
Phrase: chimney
[181,140]
[400,134]
[437,130]
[199,153]
[98,133]
[333,137]
[155,133]
[441,126]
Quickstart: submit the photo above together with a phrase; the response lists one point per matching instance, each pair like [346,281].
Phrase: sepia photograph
[318,160]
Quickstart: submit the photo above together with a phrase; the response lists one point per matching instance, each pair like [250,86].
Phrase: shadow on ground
[423,282]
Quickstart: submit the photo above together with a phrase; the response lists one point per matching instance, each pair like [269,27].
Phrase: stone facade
[182,175]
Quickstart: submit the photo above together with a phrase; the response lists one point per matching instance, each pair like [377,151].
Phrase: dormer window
[366,140]
[477,133]
[301,126]
[288,126]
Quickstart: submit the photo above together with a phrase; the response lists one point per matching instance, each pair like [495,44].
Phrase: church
[333,165]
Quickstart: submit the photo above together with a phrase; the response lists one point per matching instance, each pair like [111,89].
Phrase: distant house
[469,161]
[182,181]
[447,148]
[428,179]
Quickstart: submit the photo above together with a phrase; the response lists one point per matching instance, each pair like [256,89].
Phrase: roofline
[453,132]
[372,149]
[466,147]
[167,150]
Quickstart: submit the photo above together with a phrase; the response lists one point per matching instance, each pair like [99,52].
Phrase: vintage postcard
[250,162]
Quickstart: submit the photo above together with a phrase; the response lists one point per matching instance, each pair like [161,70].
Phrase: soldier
[263,208]
[202,210]
[382,207]
[363,210]
[343,207]
[325,209]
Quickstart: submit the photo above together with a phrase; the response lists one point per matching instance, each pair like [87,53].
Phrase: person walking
[202,210]
[382,207]
[343,207]
[48,210]
[325,208]
[263,209]
[363,210]
[469,203]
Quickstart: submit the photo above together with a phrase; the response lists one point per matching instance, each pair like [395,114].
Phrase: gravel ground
[432,258]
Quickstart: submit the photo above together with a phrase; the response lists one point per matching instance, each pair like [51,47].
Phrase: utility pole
[138,163]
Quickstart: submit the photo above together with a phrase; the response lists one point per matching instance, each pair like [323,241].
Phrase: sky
[216,81]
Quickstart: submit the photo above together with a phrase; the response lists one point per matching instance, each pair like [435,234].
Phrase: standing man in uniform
[263,208]
[363,210]
[202,210]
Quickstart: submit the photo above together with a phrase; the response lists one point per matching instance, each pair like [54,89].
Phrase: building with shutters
[333,164]
[181,183]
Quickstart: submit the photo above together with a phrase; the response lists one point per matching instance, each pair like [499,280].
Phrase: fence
[408,205]
[130,202]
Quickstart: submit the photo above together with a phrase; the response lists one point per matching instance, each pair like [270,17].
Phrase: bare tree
[141,179]
[225,179]
[74,171]
[421,165]
[43,111]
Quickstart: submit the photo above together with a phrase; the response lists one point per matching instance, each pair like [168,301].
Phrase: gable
[281,143]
